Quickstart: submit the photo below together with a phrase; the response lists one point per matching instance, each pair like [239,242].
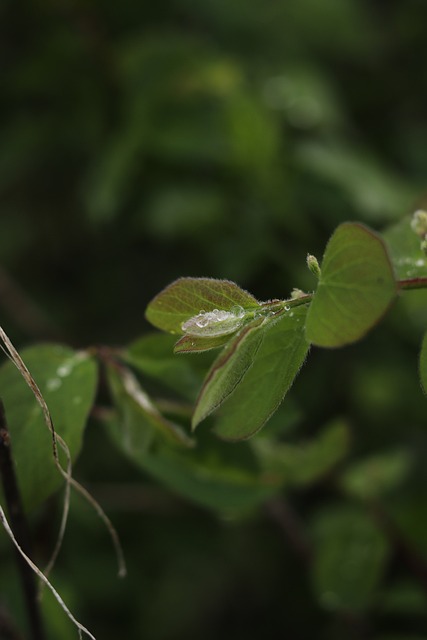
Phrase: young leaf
[356,287]
[409,260]
[423,364]
[193,344]
[276,364]
[67,380]
[187,297]
[228,370]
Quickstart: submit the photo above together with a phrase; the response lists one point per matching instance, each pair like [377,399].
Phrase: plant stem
[413,283]
[20,528]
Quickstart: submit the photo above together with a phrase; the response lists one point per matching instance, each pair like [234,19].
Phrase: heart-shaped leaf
[277,362]
[356,287]
[187,297]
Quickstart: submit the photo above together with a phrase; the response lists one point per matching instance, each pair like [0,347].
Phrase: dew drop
[202,321]
[53,384]
[238,311]
[287,307]
[222,315]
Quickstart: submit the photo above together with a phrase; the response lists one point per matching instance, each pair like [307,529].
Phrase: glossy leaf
[277,362]
[423,363]
[67,380]
[228,370]
[356,287]
[187,297]
[349,559]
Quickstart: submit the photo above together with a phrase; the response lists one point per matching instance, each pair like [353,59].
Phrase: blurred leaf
[376,475]
[186,297]
[277,362]
[305,96]
[349,560]
[404,598]
[303,464]
[228,370]
[254,138]
[67,380]
[355,289]
[140,420]
[423,364]
[409,261]
[153,356]
[178,212]
[375,192]
[213,475]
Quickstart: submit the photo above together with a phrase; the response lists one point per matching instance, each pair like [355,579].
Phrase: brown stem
[413,283]
[19,526]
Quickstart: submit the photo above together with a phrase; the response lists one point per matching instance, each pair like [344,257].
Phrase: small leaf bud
[313,265]
[297,293]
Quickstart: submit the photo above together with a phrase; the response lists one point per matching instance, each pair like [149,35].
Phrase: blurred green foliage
[141,142]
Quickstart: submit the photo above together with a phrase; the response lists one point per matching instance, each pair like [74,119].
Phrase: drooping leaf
[423,363]
[152,355]
[67,380]
[228,370]
[187,297]
[277,362]
[140,420]
[349,559]
[356,287]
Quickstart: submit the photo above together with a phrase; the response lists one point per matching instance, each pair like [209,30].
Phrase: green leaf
[277,362]
[409,260]
[152,355]
[213,475]
[423,364]
[140,420]
[349,559]
[373,477]
[356,287]
[228,370]
[67,380]
[193,344]
[186,297]
[304,463]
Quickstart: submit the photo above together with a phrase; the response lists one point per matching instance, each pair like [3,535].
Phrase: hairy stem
[20,527]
